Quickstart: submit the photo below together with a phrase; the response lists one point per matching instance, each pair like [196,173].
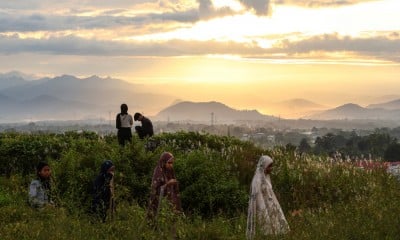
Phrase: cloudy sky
[245,53]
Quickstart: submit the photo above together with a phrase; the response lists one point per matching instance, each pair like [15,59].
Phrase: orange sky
[247,54]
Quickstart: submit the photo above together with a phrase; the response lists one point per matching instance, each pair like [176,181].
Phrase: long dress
[265,214]
[160,189]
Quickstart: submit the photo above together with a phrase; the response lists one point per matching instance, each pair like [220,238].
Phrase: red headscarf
[159,187]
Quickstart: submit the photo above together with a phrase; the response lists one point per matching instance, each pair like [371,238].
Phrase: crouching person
[40,188]
[103,191]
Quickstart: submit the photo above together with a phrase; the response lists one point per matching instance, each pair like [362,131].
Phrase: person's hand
[172,181]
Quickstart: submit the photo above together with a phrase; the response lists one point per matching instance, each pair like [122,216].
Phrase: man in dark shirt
[146,130]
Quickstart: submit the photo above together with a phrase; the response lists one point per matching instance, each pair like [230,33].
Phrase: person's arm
[118,121]
[147,126]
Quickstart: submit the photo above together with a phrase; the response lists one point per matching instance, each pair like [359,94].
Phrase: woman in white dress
[265,214]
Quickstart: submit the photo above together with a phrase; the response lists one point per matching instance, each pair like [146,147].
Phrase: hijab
[264,213]
[159,189]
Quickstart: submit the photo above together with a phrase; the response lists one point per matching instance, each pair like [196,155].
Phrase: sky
[248,54]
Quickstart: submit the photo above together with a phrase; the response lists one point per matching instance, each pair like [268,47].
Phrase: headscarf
[264,210]
[107,164]
[159,189]
[44,181]
[103,191]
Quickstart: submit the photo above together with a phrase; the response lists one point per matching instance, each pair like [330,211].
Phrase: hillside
[67,95]
[204,111]
[391,105]
[354,111]
[295,108]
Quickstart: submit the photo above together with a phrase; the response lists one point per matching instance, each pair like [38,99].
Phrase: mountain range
[214,112]
[351,111]
[66,97]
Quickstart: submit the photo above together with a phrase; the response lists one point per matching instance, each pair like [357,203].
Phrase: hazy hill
[391,105]
[295,108]
[354,111]
[203,112]
[67,95]
[8,80]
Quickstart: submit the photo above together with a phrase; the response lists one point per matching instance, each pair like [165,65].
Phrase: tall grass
[321,199]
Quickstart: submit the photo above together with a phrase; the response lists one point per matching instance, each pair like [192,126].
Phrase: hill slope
[205,111]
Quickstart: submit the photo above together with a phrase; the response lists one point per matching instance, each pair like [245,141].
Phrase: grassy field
[321,199]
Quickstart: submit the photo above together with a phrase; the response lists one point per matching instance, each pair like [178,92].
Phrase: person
[124,124]
[146,130]
[103,191]
[164,185]
[265,214]
[40,188]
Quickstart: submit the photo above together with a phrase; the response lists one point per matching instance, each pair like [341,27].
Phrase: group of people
[264,215]
[163,185]
[124,122]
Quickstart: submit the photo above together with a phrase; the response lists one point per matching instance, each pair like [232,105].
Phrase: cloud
[72,45]
[40,22]
[109,19]
[51,4]
[380,47]
[383,47]
[261,7]
[321,3]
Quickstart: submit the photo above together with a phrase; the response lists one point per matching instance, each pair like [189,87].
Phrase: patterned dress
[265,214]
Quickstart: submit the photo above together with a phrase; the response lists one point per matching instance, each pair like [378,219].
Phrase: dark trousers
[124,135]
[141,132]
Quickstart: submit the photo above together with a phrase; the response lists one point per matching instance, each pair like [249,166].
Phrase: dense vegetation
[377,145]
[321,199]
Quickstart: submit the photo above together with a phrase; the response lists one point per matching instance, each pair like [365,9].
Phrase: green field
[321,199]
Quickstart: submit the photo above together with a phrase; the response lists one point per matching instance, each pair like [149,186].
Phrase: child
[39,190]
[103,197]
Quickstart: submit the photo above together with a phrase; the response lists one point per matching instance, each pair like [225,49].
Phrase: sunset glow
[246,54]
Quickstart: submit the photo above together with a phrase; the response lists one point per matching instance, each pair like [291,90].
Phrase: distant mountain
[8,80]
[68,95]
[300,103]
[18,74]
[392,105]
[205,111]
[354,111]
[295,108]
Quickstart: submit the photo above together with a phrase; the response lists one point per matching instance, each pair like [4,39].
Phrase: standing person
[103,191]
[40,188]
[124,124]
[146,130]
[265,214]
[164,184]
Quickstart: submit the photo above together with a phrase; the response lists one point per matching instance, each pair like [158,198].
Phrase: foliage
[373,145]
[321,198]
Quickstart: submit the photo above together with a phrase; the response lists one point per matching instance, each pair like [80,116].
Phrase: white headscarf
[264,213]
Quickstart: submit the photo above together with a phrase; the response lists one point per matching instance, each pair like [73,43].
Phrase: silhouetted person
[146,130]
[103,191]
[124,124]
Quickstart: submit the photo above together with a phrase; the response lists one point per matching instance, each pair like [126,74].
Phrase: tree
[392,153]
[304,147]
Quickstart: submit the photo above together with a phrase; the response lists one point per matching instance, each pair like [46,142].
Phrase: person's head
[166,160]
[265,164]
[107,167]
[137,116]
[124,108]
[43,170]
